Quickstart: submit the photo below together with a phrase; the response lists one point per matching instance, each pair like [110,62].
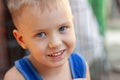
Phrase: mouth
[57,53]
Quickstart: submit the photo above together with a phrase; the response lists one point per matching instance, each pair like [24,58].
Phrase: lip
[57,54]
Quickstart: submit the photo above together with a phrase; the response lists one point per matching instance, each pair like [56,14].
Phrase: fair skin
[50,38]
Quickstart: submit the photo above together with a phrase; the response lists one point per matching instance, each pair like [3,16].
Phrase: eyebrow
[67,23]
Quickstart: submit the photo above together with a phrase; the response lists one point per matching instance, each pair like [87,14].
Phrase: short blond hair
[15,6]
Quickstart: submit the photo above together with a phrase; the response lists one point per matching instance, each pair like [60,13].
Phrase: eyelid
[41,34]
[64,28]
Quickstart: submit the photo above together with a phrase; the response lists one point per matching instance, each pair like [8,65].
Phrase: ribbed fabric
[26,68]
[77,66]
[76,62]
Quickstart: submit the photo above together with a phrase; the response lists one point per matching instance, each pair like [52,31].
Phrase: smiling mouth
[56,53]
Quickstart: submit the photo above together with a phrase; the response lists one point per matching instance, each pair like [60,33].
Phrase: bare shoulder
[88,72]
[13,74]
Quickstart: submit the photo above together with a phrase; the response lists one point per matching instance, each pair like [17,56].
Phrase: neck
[53,73]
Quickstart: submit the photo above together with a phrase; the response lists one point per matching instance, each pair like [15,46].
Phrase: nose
[55,41]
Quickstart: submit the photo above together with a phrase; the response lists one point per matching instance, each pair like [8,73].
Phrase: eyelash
[41,34]
[63,28]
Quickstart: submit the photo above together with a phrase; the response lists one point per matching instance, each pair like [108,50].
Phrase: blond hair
[15,6]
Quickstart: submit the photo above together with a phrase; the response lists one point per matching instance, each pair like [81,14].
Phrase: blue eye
[42,34]
[63,28]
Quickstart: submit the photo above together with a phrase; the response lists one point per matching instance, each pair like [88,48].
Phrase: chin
[59,64]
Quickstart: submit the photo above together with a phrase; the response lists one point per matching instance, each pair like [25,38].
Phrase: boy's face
[48,35]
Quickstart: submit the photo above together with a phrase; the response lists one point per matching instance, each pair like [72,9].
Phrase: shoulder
[88,73]
[80,61]
[13,74]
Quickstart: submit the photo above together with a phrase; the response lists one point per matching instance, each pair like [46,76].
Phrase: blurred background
[97,24]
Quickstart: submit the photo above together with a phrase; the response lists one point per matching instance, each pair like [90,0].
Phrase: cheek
[37,51]
[70,41]
[36,47]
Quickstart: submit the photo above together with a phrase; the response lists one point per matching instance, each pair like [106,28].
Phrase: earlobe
[19,38]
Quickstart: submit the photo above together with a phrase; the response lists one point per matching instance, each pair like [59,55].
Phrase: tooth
[56,54]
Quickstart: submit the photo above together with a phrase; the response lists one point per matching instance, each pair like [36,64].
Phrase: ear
[19,38]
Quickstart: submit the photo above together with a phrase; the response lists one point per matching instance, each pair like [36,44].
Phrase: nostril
[50,45]
[55,44]
[54,41]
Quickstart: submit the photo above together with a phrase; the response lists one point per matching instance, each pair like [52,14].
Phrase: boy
[45,28]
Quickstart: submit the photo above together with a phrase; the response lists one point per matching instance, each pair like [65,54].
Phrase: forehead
[35,16]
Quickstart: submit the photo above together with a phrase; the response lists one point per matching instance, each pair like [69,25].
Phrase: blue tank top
[76,62]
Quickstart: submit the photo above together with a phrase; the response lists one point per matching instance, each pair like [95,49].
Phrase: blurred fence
[90,27]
